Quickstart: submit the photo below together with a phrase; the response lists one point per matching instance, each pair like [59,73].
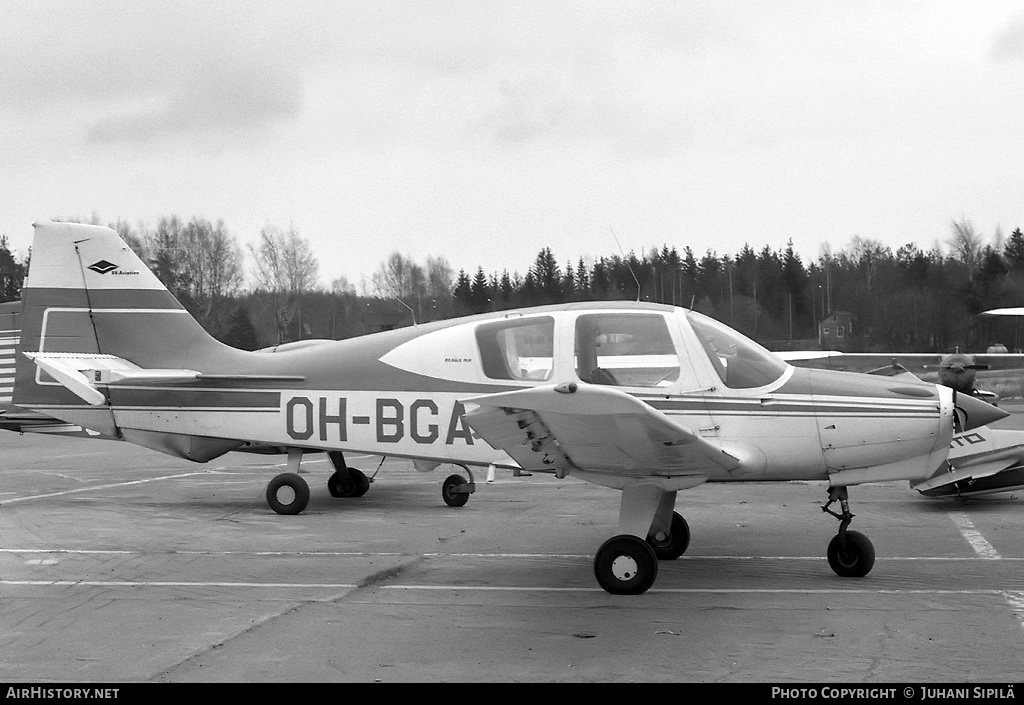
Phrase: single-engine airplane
[644,398]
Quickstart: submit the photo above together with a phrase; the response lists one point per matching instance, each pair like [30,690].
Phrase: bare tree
[166,254]
[417,288]
[200,263]
[966,243]
[341,285]
[866,254]
[440,278]
[286,268]
[213,263]
[398,277]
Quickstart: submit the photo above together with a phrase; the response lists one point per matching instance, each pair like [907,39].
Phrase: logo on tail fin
[103,266]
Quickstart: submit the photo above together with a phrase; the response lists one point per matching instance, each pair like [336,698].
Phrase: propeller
[958,371]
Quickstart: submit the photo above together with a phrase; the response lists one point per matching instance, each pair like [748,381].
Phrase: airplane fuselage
[788,424]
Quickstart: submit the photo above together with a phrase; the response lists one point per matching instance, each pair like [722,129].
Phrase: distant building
[835,331]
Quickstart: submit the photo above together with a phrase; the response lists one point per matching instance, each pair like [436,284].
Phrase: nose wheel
[346,481]
[850,553]
[852,558]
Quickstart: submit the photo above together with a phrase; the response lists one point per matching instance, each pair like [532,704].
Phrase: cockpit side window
[739,361]
[518,349]
[625,349]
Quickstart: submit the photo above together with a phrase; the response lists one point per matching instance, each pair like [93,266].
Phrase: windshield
[740,362]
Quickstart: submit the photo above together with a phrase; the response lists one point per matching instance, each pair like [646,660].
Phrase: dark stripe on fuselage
[769,407]
[194,398]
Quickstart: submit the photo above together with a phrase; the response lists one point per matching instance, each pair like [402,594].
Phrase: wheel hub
[624,568]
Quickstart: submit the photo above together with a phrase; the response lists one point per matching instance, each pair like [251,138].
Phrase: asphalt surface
[119,564]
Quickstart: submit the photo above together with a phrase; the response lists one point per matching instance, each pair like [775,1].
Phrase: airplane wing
[802,355]
[913,362]
[1013,311]
[979,453]
[592,428]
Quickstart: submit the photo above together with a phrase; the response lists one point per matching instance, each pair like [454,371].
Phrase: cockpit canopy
[645,346]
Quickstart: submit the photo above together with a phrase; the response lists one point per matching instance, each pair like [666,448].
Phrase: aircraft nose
[974,412]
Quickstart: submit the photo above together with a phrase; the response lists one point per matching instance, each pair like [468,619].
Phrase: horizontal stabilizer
[84,373]
[77,372]
[139,376]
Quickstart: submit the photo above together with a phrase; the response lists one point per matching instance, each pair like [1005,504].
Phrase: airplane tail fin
[95,317]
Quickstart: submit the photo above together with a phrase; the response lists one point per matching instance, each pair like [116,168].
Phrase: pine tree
[479,292]
[462,294]
[583,281]
[547,276]
[1014,250]
[241,332]
[12,273]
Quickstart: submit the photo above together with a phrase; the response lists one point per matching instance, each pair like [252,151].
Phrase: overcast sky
[484,131]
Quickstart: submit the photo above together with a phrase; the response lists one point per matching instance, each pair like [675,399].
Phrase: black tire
[625,565]
[361,482]
[287,493]
[335,486]
[856,560]
[452,498]
[676,543]
[358,484]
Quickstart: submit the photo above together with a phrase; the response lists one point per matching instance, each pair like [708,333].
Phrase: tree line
[908,299]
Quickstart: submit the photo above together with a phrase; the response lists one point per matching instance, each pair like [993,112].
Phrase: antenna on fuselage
[408,307]
[627,262]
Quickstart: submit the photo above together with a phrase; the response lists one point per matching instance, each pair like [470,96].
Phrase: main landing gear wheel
[670,547]
[357,485]
[625,565]
[855,558]
[287,493]
[454,491]
[850,553]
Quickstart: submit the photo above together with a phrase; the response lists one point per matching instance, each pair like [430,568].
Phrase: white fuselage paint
[777,445]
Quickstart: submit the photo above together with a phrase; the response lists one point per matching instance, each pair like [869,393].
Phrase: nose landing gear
[850,553]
